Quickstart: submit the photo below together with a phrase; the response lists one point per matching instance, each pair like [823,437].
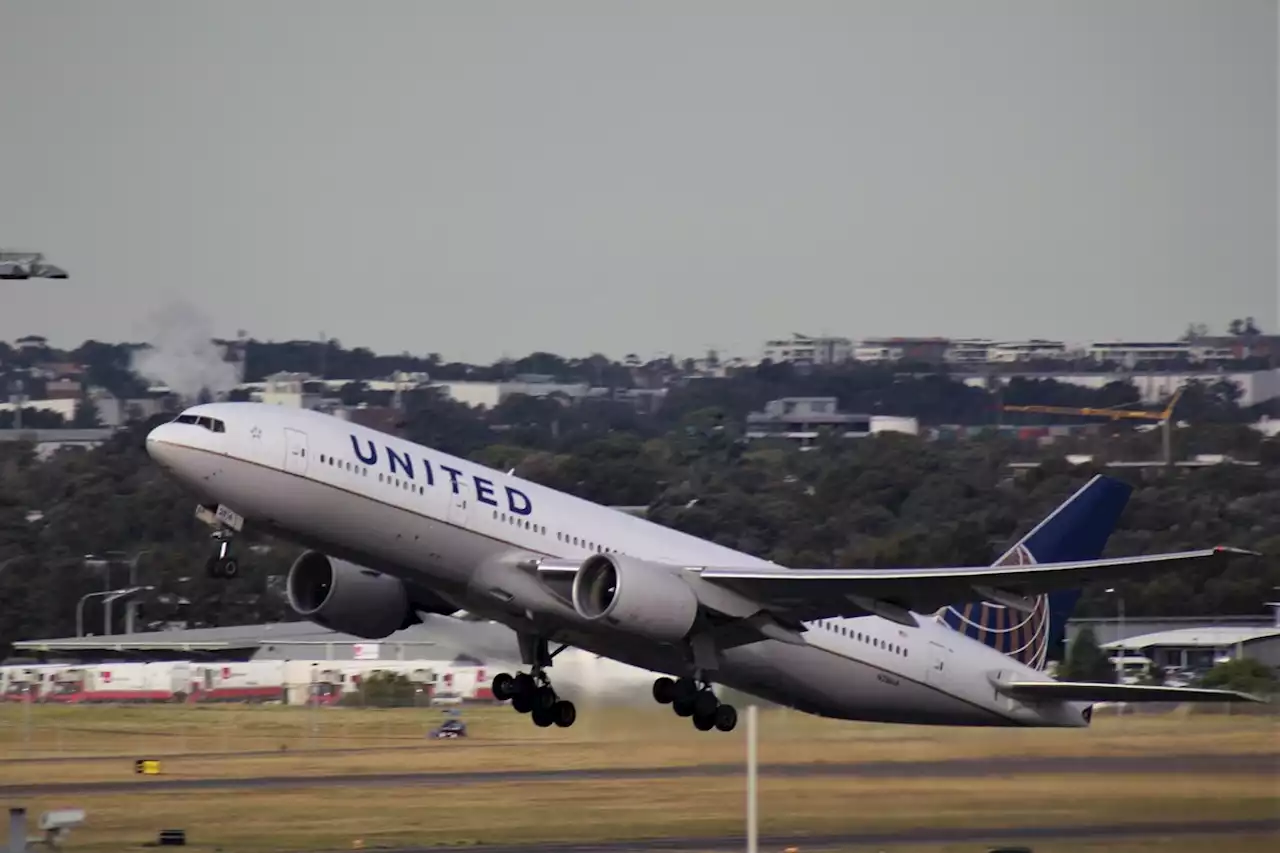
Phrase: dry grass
[333,818]
[393,741]
[283,819]
[1245,843]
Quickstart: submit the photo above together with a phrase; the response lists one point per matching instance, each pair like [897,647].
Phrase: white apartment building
[806,349]
[1132,352]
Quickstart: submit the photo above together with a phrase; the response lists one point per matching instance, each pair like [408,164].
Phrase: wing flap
[1080,691]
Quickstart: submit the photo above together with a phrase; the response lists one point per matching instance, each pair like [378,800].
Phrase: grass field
[78,739]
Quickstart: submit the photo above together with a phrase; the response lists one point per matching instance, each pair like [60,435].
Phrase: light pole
[1120,638]
[111,595]
[753,815]
[105,562]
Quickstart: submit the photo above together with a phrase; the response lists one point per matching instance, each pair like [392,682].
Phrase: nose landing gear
[222,564]
[690,699]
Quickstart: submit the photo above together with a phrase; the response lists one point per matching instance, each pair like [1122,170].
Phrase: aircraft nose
[161,445]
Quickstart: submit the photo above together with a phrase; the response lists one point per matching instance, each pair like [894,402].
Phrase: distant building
[490,394]
[50,441]
[986,351]
[295,390]
[932,350]
[1202,648]
[32,342]
[1135,352]
[1154,387]
[1109,629]
[804,419]
[808,350]
[112,411]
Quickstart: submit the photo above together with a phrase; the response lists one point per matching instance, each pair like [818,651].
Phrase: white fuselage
[458,529]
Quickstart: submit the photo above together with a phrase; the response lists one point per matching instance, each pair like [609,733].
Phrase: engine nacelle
[632,595]
[348,598]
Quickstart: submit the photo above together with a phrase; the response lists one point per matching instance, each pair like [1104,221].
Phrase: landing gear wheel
[705,704]
[544,698]
[664,691]
[703,722]
[685,689]
[726,718]
[523,685]
[503,686]
[542,717]
[522,702]
[683,707]
[222,568]
[564,713]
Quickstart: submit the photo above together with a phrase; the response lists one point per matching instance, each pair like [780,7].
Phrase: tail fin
[1076,530]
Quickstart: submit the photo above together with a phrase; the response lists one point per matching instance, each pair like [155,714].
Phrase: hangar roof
[452,637]
[1205,637]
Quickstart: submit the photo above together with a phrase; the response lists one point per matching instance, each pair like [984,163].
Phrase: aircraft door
[939,662]
[295,458]
[459,505]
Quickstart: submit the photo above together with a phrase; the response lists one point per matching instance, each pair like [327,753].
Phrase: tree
[383,690]
[86,415]
[1086,661]
[1245,675]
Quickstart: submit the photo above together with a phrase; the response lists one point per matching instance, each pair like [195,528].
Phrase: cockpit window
[211,424]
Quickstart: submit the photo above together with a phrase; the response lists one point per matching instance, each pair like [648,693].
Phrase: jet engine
[348,598]
[649,599]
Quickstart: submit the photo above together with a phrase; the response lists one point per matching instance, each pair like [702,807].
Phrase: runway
[976,768]
[915,836]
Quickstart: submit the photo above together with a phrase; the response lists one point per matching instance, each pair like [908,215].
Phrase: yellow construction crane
[1164,417]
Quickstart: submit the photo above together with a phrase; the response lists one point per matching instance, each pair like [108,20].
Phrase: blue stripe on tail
[1076,530]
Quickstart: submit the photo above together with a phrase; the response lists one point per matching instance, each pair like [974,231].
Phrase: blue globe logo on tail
[1077,530]
[1022,636]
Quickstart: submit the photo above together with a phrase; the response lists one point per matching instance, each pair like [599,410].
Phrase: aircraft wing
[828,593]
[1079,691]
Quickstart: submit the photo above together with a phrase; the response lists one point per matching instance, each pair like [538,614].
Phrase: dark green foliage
[385,690]
[1243,674]
[890,500]
[1086,661]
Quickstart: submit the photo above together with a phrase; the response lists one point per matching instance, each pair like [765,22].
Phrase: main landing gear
[689,699]
[531,692]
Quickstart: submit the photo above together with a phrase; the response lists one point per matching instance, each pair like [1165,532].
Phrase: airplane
[395,531]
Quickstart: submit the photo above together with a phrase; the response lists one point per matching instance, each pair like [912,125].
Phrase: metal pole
[17,830]
[80,613]
[1123,653]
[752,814]
[106,602]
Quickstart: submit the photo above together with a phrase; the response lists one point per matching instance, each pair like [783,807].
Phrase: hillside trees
[889,500]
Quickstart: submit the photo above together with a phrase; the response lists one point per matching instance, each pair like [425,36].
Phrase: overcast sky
[480,178]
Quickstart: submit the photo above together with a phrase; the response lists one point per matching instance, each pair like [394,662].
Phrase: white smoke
[182,354]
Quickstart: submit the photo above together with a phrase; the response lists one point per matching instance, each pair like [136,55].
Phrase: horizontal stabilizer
[1081,691]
